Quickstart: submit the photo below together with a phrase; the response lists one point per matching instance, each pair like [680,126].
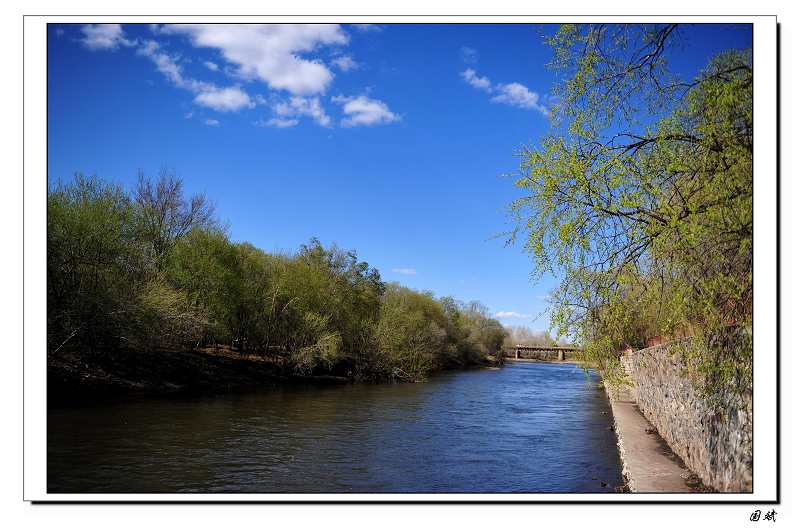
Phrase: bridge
[542,352]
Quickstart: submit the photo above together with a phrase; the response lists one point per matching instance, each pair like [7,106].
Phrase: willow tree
[640,198]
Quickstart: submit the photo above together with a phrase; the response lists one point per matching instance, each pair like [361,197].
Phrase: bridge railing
[549,352]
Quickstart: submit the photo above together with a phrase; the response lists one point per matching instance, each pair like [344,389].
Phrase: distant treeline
[521,334]
[153,271]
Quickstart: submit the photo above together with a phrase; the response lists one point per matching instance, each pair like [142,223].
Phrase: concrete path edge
[646,466]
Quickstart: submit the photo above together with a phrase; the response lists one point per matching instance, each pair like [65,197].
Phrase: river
[528,427]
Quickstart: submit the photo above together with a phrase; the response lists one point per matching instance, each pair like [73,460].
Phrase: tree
[334,283]
[166,215]
[151,272]
[641,197]
[410,337]
[205,265]
[93,260]
[107,289]
[524,335]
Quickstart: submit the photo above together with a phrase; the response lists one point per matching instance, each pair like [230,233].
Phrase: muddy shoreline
[77,377]
[74,377]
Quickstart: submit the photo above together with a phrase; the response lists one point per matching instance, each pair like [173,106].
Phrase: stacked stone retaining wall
[716,443]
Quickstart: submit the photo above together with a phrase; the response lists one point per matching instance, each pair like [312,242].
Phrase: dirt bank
[78,376]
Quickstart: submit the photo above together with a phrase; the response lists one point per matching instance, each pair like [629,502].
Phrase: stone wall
[717,445]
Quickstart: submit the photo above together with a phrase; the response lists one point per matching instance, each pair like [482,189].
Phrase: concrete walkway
[645,456]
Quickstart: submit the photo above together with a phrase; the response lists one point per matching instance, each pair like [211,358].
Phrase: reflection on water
[526,428]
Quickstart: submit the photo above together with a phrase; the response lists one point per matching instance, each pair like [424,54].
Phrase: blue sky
[397,141]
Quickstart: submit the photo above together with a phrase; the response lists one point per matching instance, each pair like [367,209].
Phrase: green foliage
[105,287]
[318,344]
[410,335]
[162,317]
[93,261]
[641,198]
[204,264]
[339,287]
[418,333]
[153,272]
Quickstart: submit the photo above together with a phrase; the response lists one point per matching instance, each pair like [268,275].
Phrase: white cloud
[367,27]
[345,63]
[512,314]
[363,111]
[224,99]
[405,271]
[297,106]
[170,68]
[207,94]
[482,83]
[281,55]
[104,36]
[518,95]
[469,55]
[278,122]
[212,122]
[514,94]
[270,52]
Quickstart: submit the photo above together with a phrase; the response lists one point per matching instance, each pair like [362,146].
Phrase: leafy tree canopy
[640,198]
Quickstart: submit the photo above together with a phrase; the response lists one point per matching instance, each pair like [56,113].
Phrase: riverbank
[78,376]
[74,376]
[648,463]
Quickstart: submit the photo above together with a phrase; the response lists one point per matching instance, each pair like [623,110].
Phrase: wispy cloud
[518,95]
[222,99]
[367,27]
[482,83]
[212,122]
[104,37]
[405,271]
[512,314]
[345,63]
[280,55]
[168,66]
[364,111]
[298,106]
[513,94]
[280,123]
[469,55]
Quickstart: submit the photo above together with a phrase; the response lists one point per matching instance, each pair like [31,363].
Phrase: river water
[529,427]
